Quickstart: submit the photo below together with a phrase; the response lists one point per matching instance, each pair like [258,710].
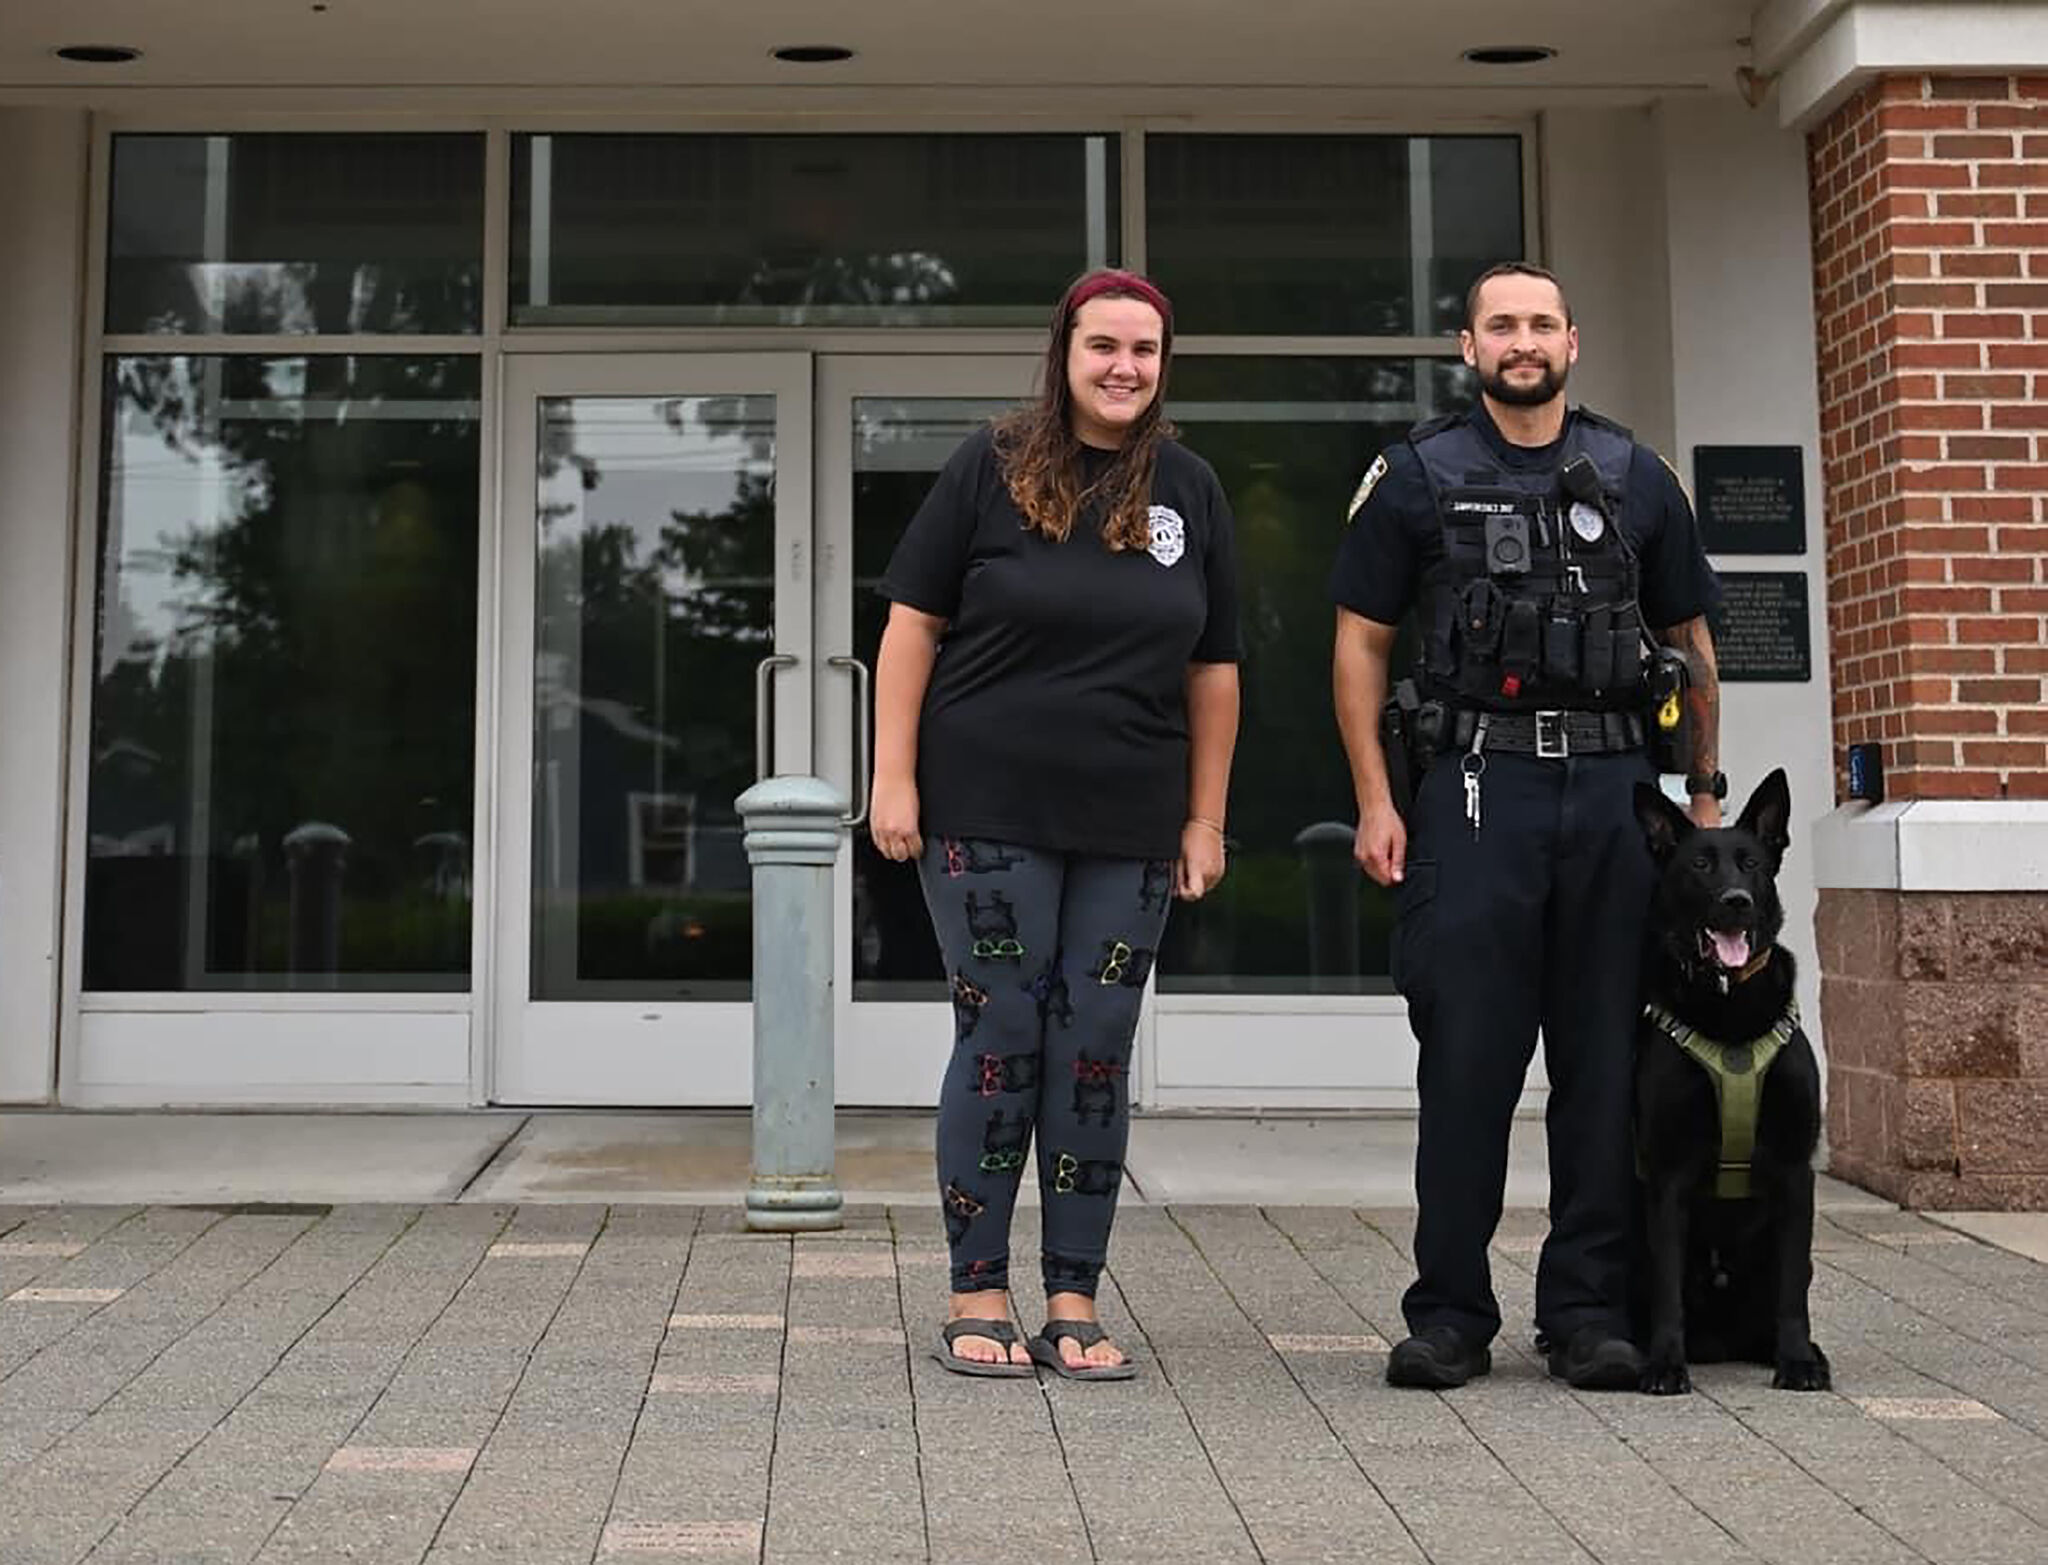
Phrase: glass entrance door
[689,554]
[655,647]
[885,428]
[1271,992]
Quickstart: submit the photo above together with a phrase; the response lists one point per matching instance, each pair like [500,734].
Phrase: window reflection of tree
[652,622]
[321,232]
[862,228]
[310,658]
[904,278]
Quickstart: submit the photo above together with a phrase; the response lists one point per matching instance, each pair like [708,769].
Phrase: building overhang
[1166,55]
[1822,52]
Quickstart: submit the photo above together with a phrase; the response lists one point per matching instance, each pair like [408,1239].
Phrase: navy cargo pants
[1538,919]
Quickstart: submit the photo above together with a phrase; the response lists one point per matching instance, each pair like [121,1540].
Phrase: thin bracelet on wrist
[1203,820]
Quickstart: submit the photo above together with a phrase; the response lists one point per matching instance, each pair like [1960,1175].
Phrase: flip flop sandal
[1044,1349]
[998,1331]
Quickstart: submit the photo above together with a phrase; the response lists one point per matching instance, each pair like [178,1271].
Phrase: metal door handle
[764,709]
[863,737]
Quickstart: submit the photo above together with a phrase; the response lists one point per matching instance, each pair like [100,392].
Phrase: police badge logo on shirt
[1587,521]
[1169,534]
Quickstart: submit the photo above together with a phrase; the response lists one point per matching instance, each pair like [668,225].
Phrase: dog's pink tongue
[1732,950]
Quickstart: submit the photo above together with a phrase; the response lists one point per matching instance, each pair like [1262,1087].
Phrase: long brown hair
[1041,455]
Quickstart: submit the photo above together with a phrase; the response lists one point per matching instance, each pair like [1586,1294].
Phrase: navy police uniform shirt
[1056,716]
[1394,535]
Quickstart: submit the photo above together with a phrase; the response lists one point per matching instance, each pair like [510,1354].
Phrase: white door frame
[627,1052]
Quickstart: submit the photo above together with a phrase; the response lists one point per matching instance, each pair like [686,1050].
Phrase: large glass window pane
[656,601]
[283,676]
[1475,220]
[1374,236]
[919,230]
[1290,437]
[296,233]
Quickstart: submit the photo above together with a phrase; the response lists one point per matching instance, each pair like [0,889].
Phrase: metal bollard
[793,829]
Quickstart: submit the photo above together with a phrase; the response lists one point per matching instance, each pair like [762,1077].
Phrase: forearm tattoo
[1703,699]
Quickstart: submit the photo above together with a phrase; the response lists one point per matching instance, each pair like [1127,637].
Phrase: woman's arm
[1212,740]
[903,668]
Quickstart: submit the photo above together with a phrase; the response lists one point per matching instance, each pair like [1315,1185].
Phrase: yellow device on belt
[1671,739]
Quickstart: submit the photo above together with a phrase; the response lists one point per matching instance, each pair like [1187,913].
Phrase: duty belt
[1553,735]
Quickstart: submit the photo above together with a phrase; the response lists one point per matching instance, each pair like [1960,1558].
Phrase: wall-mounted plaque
[1751,499]
[1760,631]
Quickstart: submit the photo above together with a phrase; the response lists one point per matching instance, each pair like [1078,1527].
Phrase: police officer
[1545,551]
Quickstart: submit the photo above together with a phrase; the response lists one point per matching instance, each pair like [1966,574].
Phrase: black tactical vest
[1533,605]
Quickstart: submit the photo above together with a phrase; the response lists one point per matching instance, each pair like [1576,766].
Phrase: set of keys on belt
[1472,766]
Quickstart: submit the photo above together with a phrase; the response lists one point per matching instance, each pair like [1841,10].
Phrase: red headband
[1119,282]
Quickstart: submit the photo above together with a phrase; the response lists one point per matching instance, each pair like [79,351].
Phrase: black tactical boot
[1437,1358]
[1597,1360]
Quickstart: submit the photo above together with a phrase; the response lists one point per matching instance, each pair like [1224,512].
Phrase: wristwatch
[1715,783]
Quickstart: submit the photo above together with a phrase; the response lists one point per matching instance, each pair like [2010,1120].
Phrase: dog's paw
[1666,1380]
[1811,1374]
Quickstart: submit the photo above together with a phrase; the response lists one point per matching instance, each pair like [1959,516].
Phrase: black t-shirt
[1395,536]
[1056,716]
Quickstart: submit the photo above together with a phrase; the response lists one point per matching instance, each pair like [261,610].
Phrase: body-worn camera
[1507,544]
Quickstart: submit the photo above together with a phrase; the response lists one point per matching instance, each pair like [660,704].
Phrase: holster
[1397,732]
[1412,731]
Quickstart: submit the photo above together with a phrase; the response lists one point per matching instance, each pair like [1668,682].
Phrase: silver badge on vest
[1587,521]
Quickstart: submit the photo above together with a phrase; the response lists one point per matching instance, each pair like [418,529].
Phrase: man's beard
[1532,395]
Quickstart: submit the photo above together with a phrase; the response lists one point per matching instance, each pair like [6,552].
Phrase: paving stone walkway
[579,1383]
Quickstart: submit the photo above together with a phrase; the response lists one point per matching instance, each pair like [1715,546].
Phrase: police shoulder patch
[1366,485]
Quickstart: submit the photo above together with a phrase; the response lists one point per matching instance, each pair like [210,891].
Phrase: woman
[1055,709]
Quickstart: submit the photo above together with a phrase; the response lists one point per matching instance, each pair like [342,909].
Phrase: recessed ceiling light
[98,53]
[1510,54]
[812,54]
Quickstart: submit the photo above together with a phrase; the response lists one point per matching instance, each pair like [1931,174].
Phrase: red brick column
[1930,212]
[1930,230]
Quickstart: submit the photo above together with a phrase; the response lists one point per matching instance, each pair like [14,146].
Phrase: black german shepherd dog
[1728,1272]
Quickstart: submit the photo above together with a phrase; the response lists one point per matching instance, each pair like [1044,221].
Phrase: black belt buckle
[1552,744]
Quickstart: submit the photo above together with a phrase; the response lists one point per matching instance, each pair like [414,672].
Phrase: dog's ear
[1664,824]
[1768,814]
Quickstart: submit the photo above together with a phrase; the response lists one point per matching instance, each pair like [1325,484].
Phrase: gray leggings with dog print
[1047,954]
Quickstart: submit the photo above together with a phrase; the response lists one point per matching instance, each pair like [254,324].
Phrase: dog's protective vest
[1533,605]
[1737,1071]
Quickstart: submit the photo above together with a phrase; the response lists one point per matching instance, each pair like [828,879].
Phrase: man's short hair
[1512,269]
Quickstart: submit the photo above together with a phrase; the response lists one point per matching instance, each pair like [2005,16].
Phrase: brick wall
[1930,215]
[1930,231]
